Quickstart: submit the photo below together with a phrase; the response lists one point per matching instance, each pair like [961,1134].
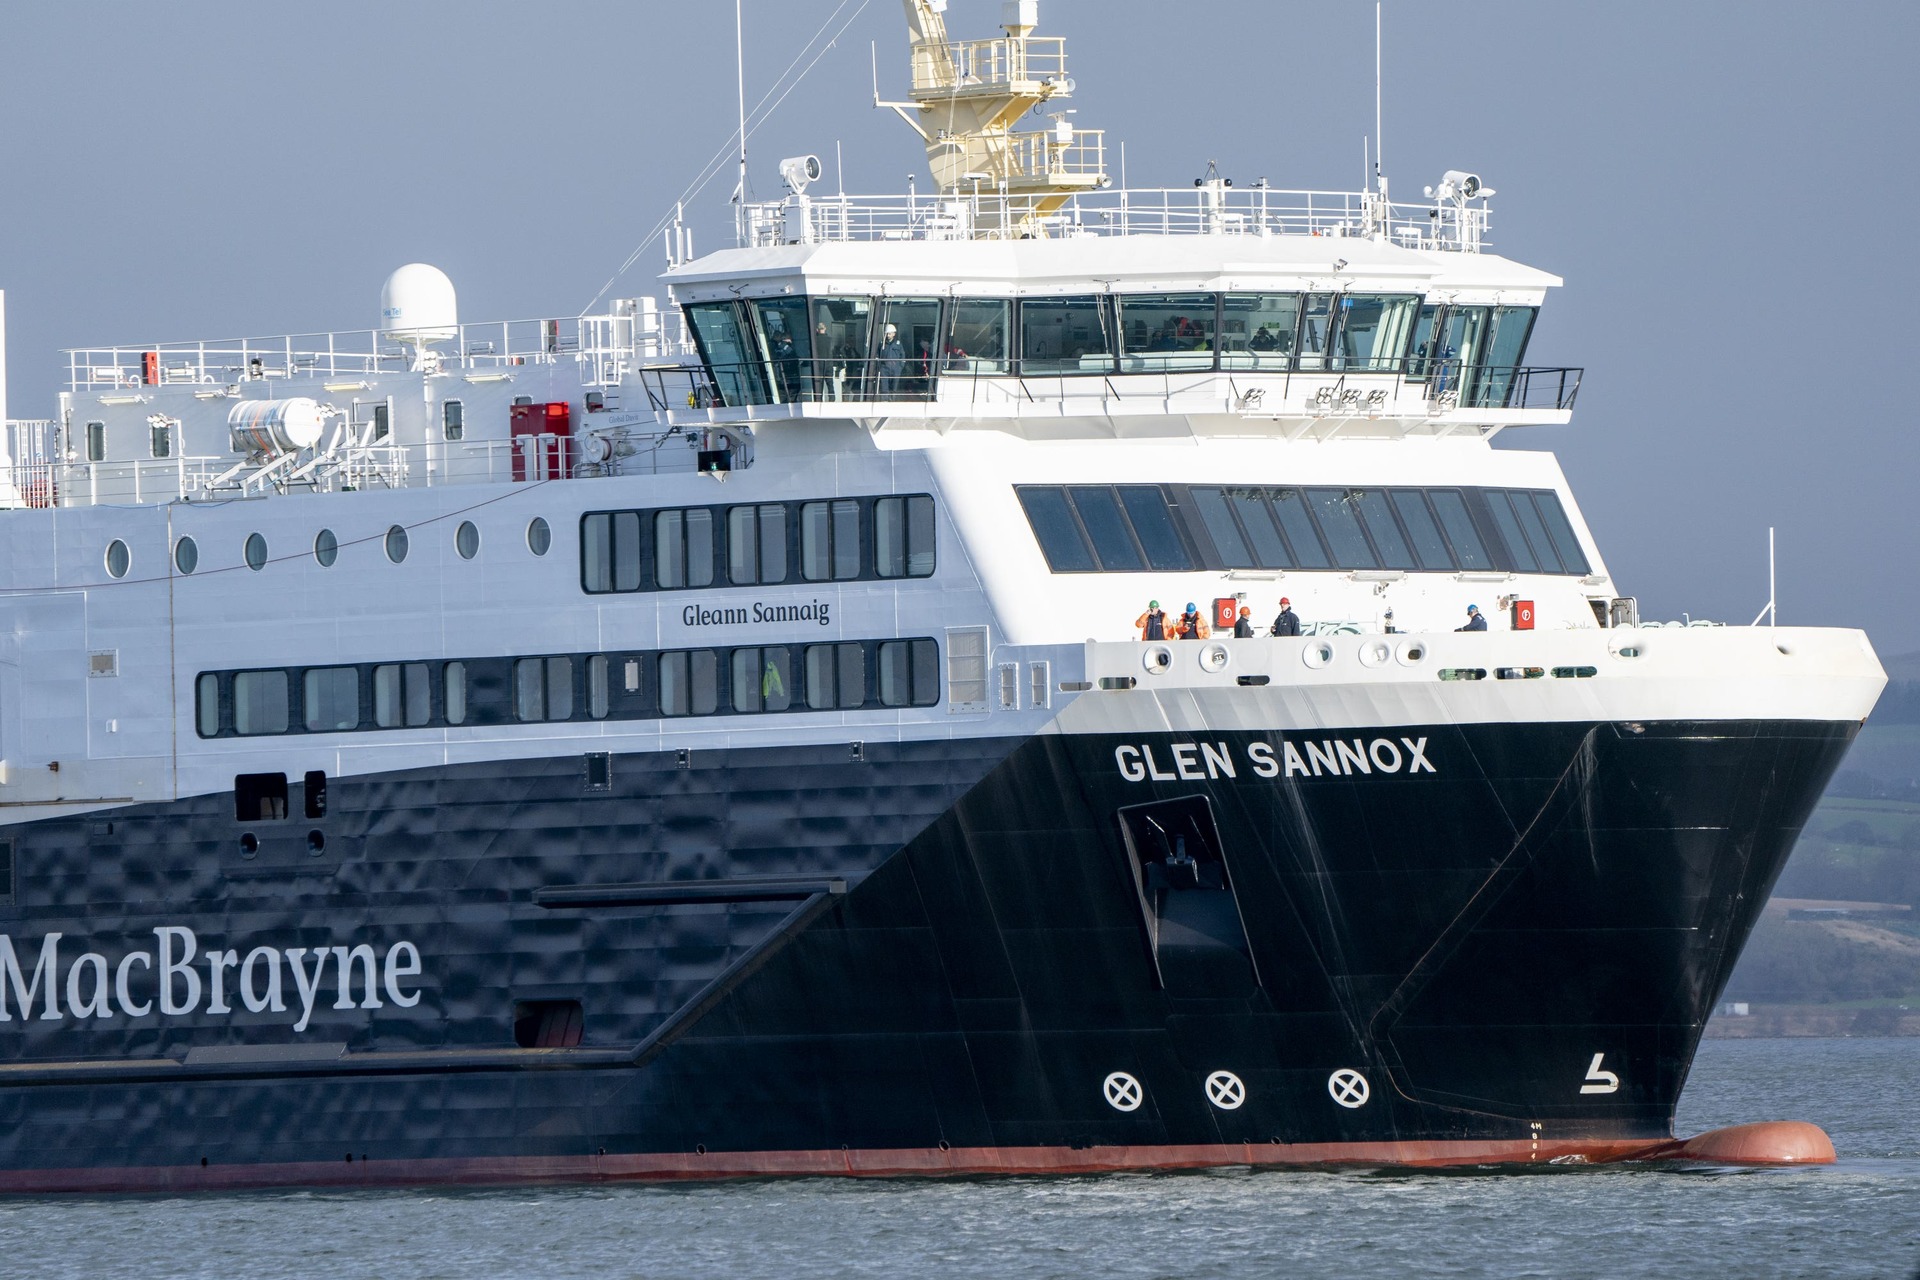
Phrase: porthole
[539,537]
[1213,658]
[1157,660]
[326,548]
[256,552]
[1411,654]
[466,540]
[186,555]
[1375,653]
[396,543]
[119,559]
[1318,653]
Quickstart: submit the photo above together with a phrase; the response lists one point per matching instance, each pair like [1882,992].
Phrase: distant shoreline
[1813,1020]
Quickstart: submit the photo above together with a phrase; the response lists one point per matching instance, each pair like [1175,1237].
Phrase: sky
[1725,188]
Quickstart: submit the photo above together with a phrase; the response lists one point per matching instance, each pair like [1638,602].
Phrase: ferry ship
[714,737]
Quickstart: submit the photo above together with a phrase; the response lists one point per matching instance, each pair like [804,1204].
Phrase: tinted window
[1166,331]
[1338,522]
[978,343]
[1291,507]
[1153,524]
[1227,540]
[1257,330]
[1429,547]
[1374,330]
[1468,551]
[401,695]
[1059,534]
[721,334]
[1316,326]
[1374,511]
[757,544]
[1269,548]
[903,537]
[1536,532]
[1560,529]
[454,680]
[1112,542]
[206,698]
[1517,549]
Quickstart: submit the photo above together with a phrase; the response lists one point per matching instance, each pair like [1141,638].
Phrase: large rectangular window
[903,537]
[683,548]
[1161,331]
[1374,511]
[1560,529]
[332,699]
[1429,547]
[1257,330]
[720,331]
[906,349]
[689,683]
[1519,552]
[1468,550]
[543,689]
[830,540]
[836,676]
[757,544]
[1090,528]
[1374,330]
[979,339]
[762,679]
[909,673]
[1334,507]
[1065,336]
[785,348]
[402,695]
[841,327]
[259,702]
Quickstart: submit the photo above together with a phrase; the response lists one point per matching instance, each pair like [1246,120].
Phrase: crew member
[1388,623]
[1152,623]
[893,364]
[1476,621]
[1192,626]
[1243,625]
[1288,623]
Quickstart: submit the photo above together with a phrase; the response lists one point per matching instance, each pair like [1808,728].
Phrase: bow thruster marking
[1123,1092]
[1226,1090]
[1349,1088]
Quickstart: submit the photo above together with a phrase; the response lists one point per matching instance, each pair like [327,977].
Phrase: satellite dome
[417,305]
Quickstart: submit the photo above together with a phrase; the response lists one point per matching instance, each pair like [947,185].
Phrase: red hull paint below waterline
[1778,1143]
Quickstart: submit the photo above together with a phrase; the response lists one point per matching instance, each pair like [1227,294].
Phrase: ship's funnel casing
[417,306]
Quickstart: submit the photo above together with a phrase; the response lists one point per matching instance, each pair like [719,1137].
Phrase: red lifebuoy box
[1523,615]
[1226,610]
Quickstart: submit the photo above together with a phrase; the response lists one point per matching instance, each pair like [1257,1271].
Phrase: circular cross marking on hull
[1226,1091]
[1349,1088]
[1123,1092]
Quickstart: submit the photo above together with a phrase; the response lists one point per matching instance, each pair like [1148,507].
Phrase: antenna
[1379,136]
[740,70]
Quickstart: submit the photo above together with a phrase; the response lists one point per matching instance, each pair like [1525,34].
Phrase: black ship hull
[1418,945]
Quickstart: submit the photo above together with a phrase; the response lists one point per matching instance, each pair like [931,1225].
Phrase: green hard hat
[1153,604]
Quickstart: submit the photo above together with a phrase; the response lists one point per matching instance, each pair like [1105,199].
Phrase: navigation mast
[967,97]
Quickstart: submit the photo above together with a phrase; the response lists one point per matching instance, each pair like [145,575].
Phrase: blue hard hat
[1473,608]
[1191,606]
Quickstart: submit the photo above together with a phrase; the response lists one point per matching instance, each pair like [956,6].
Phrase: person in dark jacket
[1476,621]
[1243,625]
[1288,623]
[1192,625]
[1152,623]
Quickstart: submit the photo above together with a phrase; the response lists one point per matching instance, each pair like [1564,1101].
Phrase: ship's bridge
[1299,314]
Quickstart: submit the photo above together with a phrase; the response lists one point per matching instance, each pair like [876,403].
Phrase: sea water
[1858,1218]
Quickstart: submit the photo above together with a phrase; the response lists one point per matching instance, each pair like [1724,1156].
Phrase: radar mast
[968,95]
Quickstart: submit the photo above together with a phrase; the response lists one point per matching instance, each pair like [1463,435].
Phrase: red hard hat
[1284,600]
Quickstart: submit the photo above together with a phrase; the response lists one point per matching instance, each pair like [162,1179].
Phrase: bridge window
[1316,330]
[1560,530]
[1375,513]
[785,346]
[905,359]
[1374,330]
[1257,330]
[1429,547]
[719,330]
[840,332]
[1521,554]
[979,339]
[1161,331]
[1065,336]
[1334,507]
